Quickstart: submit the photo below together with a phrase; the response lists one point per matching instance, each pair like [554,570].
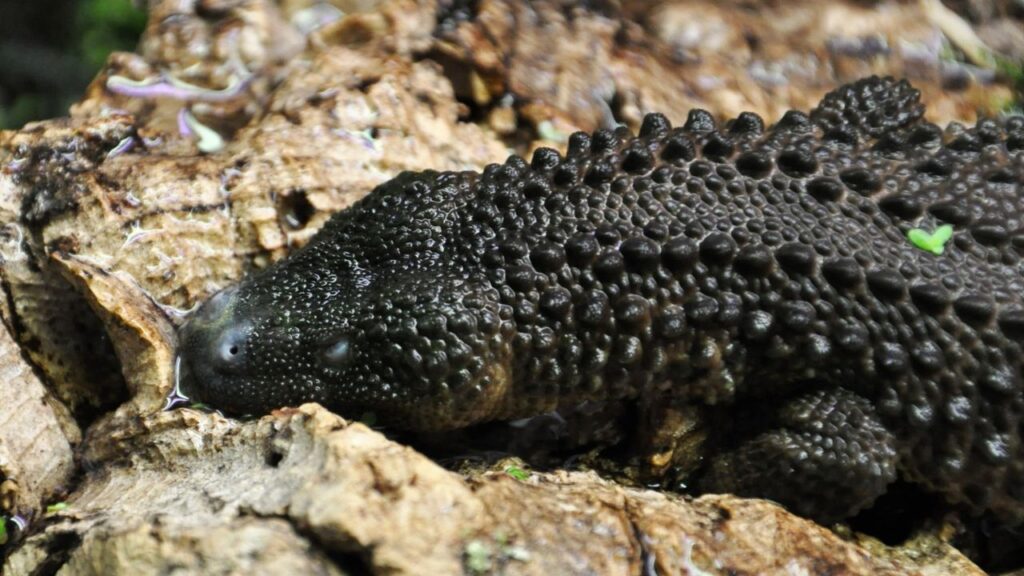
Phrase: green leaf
[56,507]
[517,473]
[933,242]
[3,530]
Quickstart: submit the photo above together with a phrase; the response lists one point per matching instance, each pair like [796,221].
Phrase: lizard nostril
[213,341]
[228,353]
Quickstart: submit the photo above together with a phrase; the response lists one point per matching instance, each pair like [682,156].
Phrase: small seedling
[478,556]
[208,140]
[933,242]
[517,473]
[547,131]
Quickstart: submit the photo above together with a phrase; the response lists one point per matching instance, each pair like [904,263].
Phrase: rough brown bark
[195,487]
[35,449]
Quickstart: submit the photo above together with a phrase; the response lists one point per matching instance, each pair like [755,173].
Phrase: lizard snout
[213,345]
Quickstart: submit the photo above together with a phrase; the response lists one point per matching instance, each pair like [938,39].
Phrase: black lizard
[803,270]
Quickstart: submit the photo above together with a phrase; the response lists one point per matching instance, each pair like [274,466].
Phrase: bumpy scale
[722,266]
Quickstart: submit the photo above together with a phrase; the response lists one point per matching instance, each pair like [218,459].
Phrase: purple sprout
[123,146]
[183,127]
[362,137]
[207,139]
[166,86]
[17,165]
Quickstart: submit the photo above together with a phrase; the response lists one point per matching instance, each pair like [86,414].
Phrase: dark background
[51,49]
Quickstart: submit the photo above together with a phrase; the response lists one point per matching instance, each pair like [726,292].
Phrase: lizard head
[380,313]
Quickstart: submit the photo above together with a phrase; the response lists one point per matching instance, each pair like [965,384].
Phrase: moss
[1012,72]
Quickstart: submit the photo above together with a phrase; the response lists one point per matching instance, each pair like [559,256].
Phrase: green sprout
[517,473]
[483,557]
[478,556]
[56,507]
[933,242]
[547,131]
[516,553]
[508,551]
